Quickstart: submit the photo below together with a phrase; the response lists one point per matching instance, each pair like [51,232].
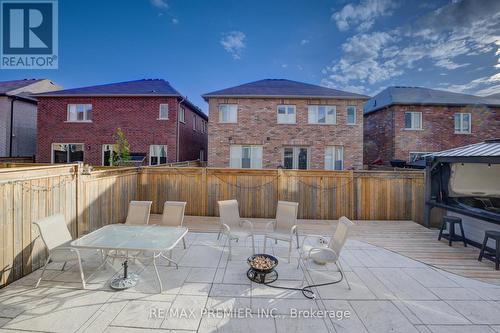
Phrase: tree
[121,148]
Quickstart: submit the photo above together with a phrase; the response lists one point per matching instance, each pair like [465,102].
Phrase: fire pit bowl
[262,275]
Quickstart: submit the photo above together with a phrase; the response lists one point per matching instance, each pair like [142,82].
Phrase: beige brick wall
[257,125]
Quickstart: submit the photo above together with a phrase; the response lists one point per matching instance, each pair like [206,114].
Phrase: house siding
[386,138]
[257,125]
[136,116]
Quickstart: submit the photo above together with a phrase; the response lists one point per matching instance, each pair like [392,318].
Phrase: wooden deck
[404,237]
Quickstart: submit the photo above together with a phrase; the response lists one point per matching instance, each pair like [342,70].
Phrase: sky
[200,46]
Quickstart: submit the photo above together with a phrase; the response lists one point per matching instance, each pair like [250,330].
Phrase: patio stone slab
[478,312]
[402,285]
[187,313]
[339,323]
[460,329]
[456,294]
[370,313]
[201,275]
[232,325]
[141,314]
[435,312]
[233,290]
[298,325]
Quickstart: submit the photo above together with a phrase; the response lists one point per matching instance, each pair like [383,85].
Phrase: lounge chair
[285,225]
[322,251]
[232,225]
[56,236]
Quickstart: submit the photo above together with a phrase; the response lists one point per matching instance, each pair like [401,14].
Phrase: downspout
[178,126]
[11,129]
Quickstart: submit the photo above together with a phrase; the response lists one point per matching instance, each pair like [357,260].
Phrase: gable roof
[281,88]
[144,87]
[423,96]
[7,86]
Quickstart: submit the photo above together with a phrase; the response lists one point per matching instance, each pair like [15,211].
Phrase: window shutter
[235,157]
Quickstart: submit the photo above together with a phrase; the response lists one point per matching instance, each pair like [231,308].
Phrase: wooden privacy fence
[366,195]
[89,201]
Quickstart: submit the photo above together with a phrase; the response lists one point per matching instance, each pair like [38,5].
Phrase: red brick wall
[136,116]
[257,125]
[438,130]
[192,141]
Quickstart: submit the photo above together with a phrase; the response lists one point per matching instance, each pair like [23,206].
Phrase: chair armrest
[247,222]
[322,249]
[321,239]
[226,228]
[270,224]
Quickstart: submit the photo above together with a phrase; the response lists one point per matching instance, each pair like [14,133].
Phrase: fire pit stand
[262,276]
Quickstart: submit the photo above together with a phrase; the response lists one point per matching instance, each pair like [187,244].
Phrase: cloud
[304,42]
[162,4]
[462,29]
[234,43]
[482,86]
[284,65]
[175,21]
[362,15]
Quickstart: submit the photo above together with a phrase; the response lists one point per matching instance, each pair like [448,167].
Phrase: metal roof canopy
[483,152]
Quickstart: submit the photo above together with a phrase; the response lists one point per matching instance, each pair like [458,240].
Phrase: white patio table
[159,240]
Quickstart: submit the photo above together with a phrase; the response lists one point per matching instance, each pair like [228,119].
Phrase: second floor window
[462,123]
[322,114]
[286,114]
[163,111]
[228,113]
[182,115]
[351,115]
[413,120]
[80,112]
[194,123]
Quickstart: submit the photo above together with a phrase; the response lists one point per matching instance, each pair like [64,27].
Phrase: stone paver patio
[389,293]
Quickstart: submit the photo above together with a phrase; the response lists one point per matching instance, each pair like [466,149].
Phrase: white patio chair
[173,215]
[322,251]
[285,225]
[56,236]
[138,212]
[232,225]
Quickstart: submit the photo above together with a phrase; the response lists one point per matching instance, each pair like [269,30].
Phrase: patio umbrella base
[122,283]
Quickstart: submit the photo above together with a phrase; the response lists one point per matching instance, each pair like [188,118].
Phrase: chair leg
[253,244]
[184,242]
[463,234]
[43,271]
[451,235]
[265,244]
[441,231]
[290,251]
[339,266]
[497,254]
[64,265]
[229,245]
[483,248]
[82,276]
[297,237]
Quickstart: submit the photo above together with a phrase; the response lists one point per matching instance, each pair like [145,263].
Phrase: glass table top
[132,237]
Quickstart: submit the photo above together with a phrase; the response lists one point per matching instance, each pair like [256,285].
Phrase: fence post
[204,191]
[352,198]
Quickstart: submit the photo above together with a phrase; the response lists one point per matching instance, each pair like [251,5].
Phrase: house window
[157,154]
[296,158]
[80,112]
[416,156]
[334,158]
[182,114]
[322,114]
[163,111]
[351,115]
[413,120]
[107,154]
[228,113]
[246,157]
[67,152]
[194,123]
[286,114]
[202,154]
[462,123]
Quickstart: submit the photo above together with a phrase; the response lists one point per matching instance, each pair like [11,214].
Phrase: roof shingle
[281,88]
[7,86]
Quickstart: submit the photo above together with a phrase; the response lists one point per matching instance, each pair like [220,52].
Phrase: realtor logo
[29,34]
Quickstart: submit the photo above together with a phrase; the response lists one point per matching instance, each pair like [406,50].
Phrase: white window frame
[106,145]
[331,153]
[417,152]
[290,116]
[413,115]
[67,156]
[86,113]
[295,157]
[151,147]
[313,111]
[236,156]
[347,115]
[182,115]
[228,108]
[159,111]
[461,116]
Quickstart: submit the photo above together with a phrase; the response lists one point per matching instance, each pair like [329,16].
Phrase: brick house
[403,123]
[281,123]
[18,113]
[159,123]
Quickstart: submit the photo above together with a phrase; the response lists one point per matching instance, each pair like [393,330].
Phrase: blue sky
[201,46]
